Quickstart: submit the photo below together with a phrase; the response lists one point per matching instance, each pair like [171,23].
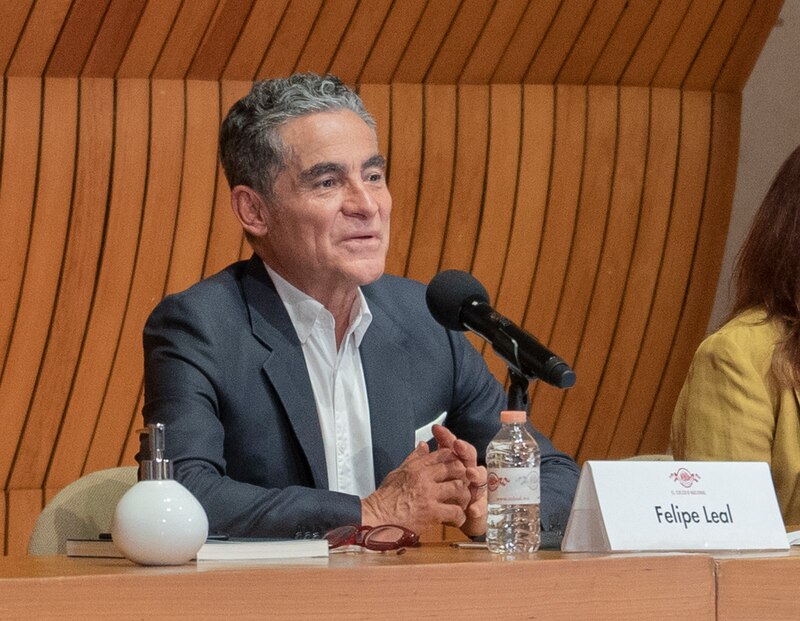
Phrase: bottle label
[513,486]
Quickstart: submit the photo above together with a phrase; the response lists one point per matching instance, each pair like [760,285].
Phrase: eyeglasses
[377,538]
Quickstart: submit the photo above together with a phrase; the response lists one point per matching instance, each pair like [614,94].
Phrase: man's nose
[360,200]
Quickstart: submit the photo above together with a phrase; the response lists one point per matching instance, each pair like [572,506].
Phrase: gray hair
[250,147]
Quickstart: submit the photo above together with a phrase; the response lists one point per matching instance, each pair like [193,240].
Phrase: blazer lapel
[285,365]
[387,375]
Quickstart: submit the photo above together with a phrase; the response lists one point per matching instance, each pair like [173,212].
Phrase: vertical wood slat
[568,147]
[119,246]
[197,186]
[709,248]
[640,283]
[76,286]
[24,506]
[592,360]
[167,130]
[405,157]
[21,128]
[591,233]
[532,189]
[436,183]
[673,275]
[472,142]
[225,235]
[502,172]
[43,263]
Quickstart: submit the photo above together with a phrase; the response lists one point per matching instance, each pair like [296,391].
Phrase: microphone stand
[517,391]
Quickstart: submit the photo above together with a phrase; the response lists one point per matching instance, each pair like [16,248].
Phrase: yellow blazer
[732,409]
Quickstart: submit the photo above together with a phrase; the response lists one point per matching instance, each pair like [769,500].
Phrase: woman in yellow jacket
[741,398]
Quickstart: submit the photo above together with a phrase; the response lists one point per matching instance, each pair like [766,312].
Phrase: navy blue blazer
[225,372]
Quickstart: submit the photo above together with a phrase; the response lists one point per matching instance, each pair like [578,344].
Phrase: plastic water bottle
[513,460]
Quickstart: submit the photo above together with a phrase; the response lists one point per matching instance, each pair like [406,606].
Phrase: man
[294,386]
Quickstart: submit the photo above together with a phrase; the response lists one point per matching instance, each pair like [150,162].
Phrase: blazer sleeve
[726,408]
[185,387]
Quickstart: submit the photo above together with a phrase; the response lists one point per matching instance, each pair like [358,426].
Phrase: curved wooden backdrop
[577,156]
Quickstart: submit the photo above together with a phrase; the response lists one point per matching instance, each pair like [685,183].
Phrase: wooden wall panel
[569,144]
[591,233]
[17,186]
[45,256]
[436,183]
[642,272]
[356,44]
[101,344]
[577,155]
[472,142]
[76,287]
[38,37]
[405,165]
[709,247]
[167,127]
[591,358]
[687,200]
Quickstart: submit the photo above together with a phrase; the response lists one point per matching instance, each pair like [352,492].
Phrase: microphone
[459,302]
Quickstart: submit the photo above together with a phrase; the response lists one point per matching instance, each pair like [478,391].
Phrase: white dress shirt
[337,379]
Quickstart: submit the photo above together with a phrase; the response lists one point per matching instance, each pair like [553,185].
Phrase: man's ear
[251,210]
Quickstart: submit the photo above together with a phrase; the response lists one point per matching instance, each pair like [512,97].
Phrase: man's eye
[326,183]
[373,177]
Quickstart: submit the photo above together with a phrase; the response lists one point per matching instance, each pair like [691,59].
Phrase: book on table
[234,549]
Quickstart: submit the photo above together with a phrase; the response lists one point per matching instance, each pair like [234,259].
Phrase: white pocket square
[425,433]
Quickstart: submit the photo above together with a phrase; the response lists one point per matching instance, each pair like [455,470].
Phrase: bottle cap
[156,468]
[513,416]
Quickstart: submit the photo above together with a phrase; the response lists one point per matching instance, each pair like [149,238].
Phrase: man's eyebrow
[318,170]
[376,161]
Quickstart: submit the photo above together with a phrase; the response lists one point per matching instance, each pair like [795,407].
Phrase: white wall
[770,132]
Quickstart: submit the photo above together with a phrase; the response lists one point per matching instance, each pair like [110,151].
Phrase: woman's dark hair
[768,266]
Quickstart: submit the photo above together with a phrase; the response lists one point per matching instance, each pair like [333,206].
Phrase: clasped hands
[446,486]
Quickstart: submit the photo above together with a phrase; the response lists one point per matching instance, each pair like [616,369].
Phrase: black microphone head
[449,292]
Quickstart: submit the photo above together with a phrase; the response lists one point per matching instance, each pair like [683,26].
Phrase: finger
[448,471]
[453,492]
[466,452]
[450,515]
[444,437]
[421,450]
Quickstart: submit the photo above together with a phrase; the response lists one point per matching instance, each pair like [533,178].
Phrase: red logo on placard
[685,477]
[493,481]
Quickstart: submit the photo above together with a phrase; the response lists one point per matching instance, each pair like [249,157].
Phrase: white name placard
[663,505]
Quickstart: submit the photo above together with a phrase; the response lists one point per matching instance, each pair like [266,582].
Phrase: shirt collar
[305,312]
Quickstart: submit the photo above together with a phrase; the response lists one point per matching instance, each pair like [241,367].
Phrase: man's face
[328,225]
